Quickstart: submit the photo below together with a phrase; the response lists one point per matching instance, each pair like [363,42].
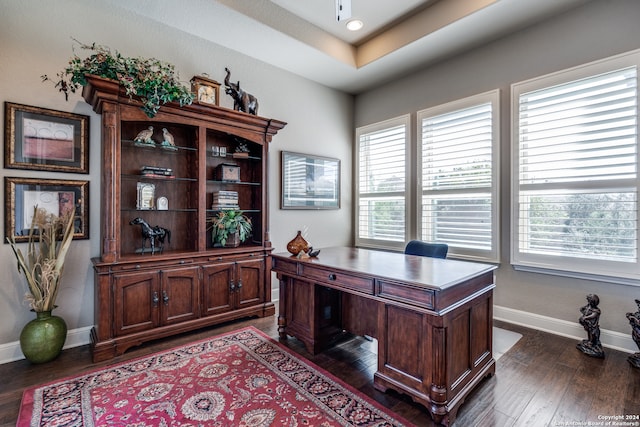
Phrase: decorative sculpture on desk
[151,234]
[298,244]
[300,248]
[589,320]
[144,138]
[634,321]
[242,101]
[168,142]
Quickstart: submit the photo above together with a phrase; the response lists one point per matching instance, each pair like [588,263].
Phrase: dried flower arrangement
[49,239]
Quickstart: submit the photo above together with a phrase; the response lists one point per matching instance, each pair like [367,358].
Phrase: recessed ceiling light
[354,25]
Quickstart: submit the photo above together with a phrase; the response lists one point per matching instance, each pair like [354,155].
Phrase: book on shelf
[225,197]
[226,193]
[155,175]
[156,171]
[224,207]
[227,201]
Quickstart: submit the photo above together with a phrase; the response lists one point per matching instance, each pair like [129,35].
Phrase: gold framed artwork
[56,196]
[43,139]
[207,91]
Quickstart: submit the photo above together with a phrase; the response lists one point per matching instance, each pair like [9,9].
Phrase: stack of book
[156,172]
[223,200]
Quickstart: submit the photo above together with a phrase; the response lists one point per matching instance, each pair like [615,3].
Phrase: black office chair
[433,250]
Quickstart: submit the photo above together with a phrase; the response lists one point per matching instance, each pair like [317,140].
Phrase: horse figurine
[151,234]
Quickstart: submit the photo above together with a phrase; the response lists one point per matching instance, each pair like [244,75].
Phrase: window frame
[404,120]
[490,97]
[583,268]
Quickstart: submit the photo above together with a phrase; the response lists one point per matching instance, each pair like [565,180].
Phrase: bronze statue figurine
[634,321]
[242,101]
[589,321]
[151,234]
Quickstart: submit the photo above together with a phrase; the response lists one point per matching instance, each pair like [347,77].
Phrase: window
[381,161]
[575,188]
[459,176]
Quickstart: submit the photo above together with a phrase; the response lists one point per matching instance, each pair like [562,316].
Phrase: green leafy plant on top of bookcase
[155,82]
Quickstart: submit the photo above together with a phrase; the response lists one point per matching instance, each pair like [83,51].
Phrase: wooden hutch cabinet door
[217,281]
[136,301]
[249,283]
[179,296]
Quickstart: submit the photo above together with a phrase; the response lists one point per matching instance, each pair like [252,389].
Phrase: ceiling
[303,36]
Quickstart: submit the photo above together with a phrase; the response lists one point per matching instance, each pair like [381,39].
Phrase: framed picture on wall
[310,182]
[55,196]
[42,139]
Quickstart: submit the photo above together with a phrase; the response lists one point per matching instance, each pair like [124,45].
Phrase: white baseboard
[11,352]
[610,339]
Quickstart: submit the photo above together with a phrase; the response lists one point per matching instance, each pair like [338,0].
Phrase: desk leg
[282,307]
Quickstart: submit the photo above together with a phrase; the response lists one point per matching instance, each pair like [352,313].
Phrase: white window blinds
[381,166]
[576,188]
[459,169]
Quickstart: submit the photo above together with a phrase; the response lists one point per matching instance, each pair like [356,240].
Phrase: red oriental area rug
[242,378]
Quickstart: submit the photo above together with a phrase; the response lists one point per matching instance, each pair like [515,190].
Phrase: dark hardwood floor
[542,381]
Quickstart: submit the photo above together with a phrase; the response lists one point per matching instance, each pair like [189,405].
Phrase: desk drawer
[281,266]
[407,294]
[328,276]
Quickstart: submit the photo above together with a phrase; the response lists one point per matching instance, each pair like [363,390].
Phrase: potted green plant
[230,227]
[155,82]
[50,236]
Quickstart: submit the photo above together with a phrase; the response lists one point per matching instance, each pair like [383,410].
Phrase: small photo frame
[48,140]
[206,90]
[310,182]
[54,195]
[146,196]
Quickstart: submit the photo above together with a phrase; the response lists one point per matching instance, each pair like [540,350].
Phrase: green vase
[42,339]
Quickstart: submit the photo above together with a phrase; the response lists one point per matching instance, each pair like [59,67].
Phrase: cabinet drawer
[235,257]
[145,264]
[328,276]
[408,294]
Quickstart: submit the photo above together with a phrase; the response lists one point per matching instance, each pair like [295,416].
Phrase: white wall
[597,30]
[36,38]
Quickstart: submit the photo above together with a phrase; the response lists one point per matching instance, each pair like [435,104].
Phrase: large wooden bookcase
[140,296]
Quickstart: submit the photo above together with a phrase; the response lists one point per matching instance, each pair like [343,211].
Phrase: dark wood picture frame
[54,195]
[310,182]
[43,139]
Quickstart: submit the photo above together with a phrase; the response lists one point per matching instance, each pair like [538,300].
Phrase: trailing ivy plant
[155,82]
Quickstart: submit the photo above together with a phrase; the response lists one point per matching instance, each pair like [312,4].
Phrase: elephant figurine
[242,101]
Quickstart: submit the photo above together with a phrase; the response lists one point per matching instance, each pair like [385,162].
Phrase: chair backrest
[433,250]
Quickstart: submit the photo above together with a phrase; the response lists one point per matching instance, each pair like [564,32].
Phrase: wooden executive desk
[432,317]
